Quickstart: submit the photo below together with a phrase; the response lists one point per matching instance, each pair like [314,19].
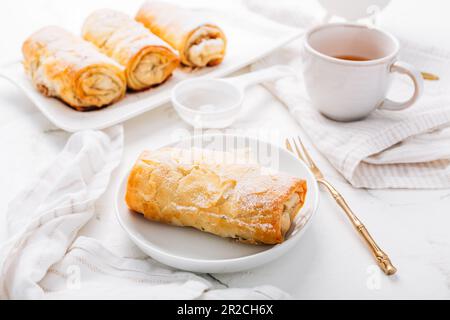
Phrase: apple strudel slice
[188,187]
[65,66]
[147,59]
[198,41]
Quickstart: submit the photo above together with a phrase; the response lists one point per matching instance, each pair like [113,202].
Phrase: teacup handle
[416,77]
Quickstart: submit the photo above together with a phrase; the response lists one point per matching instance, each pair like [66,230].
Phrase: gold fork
[382,258]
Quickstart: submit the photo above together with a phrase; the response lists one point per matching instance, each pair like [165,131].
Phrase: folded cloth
[404,149]
[90,271]
[44,259]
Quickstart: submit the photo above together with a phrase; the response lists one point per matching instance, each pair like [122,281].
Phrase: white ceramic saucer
[190,249]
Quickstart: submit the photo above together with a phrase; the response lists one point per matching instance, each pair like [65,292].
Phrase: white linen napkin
[404,149]
[44,259]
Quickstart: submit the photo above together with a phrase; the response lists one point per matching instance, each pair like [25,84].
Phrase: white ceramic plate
[250,37]
[193,250]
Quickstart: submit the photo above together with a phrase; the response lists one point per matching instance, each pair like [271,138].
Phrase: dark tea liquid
[352,58]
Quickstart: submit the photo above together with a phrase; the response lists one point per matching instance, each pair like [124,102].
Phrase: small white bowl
[216,103]
[188,95]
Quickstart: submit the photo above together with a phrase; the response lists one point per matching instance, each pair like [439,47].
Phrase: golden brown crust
[148,60]
[182,29]
[178,187]
[65,66]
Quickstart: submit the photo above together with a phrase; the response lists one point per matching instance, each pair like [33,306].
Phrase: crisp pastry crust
[198,42]
[65,66]
[148,60]
[189,187]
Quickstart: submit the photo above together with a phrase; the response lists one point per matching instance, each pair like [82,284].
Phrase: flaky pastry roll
[65,66]
[199,42]
[148,60]
[179,187]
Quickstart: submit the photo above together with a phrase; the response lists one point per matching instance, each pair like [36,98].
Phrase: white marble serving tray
[250,37]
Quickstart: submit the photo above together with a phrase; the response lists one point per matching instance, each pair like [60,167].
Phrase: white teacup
[346,90]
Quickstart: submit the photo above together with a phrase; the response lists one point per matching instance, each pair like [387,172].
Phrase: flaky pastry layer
[65,66]
[240,201]
[148,60]
[199,42]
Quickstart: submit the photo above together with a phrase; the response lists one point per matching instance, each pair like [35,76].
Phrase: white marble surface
[329,262]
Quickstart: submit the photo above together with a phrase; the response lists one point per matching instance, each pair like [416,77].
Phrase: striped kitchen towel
[45,258]
[403,149]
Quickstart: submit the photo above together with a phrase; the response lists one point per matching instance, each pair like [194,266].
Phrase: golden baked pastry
[148,60]
[189,187]
[65,66]
[199,42]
